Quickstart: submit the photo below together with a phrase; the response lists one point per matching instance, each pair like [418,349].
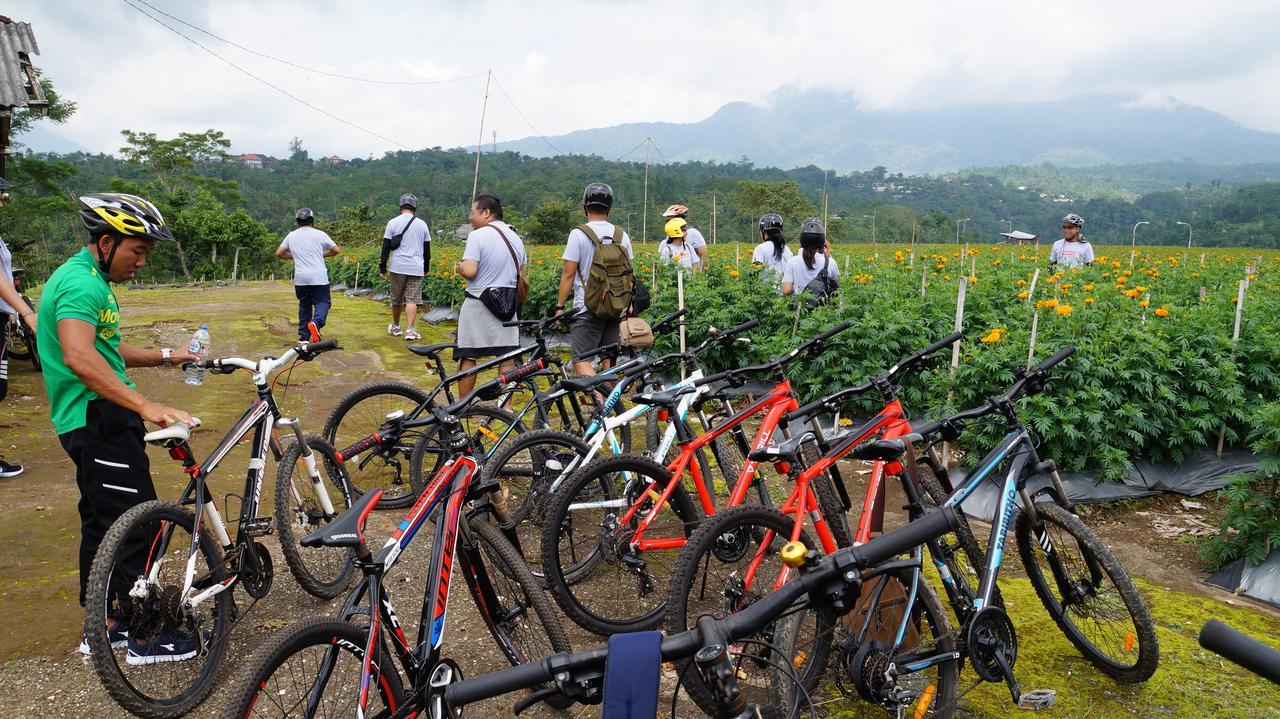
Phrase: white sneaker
[411,334]
[393,329]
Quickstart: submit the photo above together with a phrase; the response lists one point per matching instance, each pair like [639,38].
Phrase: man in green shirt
[95,409]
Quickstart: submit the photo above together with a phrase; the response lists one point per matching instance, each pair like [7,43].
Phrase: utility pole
[958,222]
[1133,251]
[713,218]
[824,197]
[475,179]
[495,142]
[644,217]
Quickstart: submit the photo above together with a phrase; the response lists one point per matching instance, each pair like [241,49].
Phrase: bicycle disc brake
[732,546]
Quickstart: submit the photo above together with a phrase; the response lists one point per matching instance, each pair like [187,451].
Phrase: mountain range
[796,127]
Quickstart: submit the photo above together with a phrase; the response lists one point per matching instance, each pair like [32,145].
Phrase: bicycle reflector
[794,554]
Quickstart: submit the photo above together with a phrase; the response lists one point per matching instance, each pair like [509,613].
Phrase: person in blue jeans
[308,247]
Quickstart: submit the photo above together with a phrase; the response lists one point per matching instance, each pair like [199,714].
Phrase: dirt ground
[42,675]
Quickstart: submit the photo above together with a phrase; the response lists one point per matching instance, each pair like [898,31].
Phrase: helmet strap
[105,265]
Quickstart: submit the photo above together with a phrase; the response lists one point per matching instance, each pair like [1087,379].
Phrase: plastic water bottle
[199,347]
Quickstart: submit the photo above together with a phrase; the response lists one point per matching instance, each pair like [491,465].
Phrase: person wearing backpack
[812,272]
[493,264]
[406,252]
[597,270]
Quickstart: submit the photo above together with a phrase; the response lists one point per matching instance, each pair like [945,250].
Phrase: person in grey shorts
[494,258]
[588,331]
[406,253]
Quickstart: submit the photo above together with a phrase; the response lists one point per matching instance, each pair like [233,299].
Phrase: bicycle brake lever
[538,696]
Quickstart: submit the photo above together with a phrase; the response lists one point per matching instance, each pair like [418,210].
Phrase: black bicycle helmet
[304,215]
[409,200]
[113,213]
[770,221]
[1073,219]
[598,194]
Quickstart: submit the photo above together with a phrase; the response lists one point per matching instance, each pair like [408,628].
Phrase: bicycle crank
[256,571]
[993,647]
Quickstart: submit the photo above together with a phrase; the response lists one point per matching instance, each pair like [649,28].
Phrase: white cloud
[581,63]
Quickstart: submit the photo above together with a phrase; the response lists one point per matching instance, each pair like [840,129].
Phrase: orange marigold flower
[1050,303]
[1088,300]
[1162,312]
[1144,303]
[1063,310]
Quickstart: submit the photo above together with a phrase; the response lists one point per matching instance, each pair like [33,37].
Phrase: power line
[277,88]
[526,119]
[660,152]
[290,63]
[628,152]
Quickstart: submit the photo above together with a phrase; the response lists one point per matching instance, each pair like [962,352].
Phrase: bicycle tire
[296,520]
[966,570]
[125,532]
[345,425]
[512,567]
[688,593]
[591,611]
[16,342]
[253,692]
[1090,546]
[729,459]
[35,350]
[478,420]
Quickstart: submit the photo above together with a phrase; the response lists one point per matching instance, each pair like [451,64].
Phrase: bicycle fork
[309,459]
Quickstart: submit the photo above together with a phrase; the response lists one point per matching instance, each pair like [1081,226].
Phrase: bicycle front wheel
[489,427]
[1088,594]
[169,661]
[322,571]
[359,415]
[312,669]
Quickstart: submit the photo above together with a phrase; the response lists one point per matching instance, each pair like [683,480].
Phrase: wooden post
[924,274]
[1202,293]
[357,287]
[655,279]
[1235,340]
[795,324]
[955,348]
[737,254]
[680,305]
[713,218]
[1035,327]
[1031,293]
[846,265]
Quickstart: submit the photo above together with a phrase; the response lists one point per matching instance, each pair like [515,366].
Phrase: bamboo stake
[680,305]
[1031,293]
[713,218]
[1235,340]
[795,324]
[924,274]
[955,353]
[1035,327]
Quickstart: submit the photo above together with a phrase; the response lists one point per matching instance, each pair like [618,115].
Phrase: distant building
[19,86]
[332,160]
[252,160]
[1020,237]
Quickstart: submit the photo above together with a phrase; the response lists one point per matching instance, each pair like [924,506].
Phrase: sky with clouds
[575,64]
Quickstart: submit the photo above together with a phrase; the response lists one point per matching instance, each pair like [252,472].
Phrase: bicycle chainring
[989,635]
[256,580]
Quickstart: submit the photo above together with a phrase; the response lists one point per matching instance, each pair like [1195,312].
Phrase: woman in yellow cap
[674,248]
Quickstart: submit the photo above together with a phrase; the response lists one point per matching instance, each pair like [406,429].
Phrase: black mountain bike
[165,571]
[20,341]
[335,667]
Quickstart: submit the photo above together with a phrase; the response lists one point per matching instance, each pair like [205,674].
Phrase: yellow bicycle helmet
[114,213]
[675,227]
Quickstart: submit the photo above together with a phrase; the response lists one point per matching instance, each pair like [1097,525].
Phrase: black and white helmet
[1073,219]
[409,200]
[770,221]
[304,215]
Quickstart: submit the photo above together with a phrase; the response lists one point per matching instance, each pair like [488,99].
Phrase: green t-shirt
[76,290]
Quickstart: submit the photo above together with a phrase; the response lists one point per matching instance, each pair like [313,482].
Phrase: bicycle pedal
[257,526]
[1037,699]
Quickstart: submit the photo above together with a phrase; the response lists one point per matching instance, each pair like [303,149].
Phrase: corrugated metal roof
[15,37]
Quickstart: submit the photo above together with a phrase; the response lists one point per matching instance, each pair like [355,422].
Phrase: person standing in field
[1072,250]
[308,247]
[772,252]
[492,264]
[692,237]
[595,320]
[813,263]
[676,247]
[11,303]
[406,254]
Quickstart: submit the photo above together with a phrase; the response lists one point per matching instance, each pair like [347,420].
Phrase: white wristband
[164,357]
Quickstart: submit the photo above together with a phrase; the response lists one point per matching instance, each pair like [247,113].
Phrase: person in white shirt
[692,237]
[11,303]
[494,258]
[814,259]
[1072,250]
[772,252]
[308,247]
[406,252]
[589,332]
[676,247]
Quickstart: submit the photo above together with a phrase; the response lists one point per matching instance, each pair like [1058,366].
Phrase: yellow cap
[675,227]
[793,554]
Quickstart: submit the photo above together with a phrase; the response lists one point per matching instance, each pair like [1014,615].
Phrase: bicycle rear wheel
[600,581]
[1088,593]
[730,563]
[490,427]
[359,415]
[173,650]
[317,656]
[322,571]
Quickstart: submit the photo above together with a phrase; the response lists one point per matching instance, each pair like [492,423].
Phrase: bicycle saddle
[666,398]
[585,383]
[788,451]
[880,449]
[347,529]
[173,435]
[431,350]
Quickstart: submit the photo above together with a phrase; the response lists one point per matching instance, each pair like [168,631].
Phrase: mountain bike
[335,667]
[612,531]
[20,341]
[167,569]
[831,586]
[535,465]
[1080,582]
[731,562]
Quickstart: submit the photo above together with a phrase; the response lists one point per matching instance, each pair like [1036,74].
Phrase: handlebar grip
[1244,650]
[744,327]
[521,372]
[905,538]
[503,681]
[831,332]
[713,378]
[803,411]
[943,343]
[322,346]
[1062,354]
[372,440]
[612,347]
[664,323]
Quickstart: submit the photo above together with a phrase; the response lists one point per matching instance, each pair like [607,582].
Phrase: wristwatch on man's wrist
[164,357]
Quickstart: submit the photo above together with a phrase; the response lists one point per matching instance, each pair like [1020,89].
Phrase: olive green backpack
[609,283]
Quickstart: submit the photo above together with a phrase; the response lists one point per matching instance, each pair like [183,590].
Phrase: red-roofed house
[331,160]
[252,160]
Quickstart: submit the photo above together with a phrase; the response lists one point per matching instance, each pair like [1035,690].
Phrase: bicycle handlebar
[666,323]
[816,582]
[521,372]
[1244,650]
[737,375]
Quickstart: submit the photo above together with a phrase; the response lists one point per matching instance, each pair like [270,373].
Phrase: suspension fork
[309,459]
